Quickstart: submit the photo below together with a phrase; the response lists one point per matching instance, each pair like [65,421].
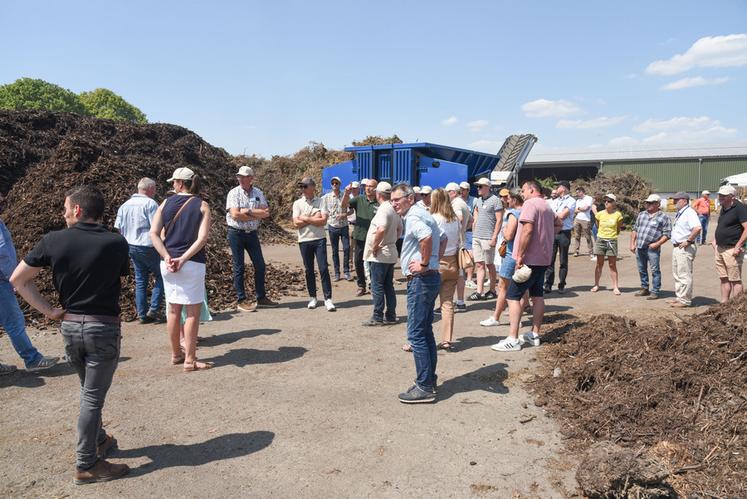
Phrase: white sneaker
[330,306]
[593,258]
[312,304]
[470,284]
[507,344]
[531,337]
[490,321]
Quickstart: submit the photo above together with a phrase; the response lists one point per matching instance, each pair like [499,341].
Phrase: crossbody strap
[167,227]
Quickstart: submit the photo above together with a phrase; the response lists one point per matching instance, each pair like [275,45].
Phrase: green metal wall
[682,174]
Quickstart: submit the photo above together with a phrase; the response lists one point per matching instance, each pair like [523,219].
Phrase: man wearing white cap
[729,243]
[464,216]
[703,206]
[381,254]
[488,218]
[425,197]
[337,226]
[651,230]
[418,196]
[684,234]
[246,206]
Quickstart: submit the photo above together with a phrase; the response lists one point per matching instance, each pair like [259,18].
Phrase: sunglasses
[608,201]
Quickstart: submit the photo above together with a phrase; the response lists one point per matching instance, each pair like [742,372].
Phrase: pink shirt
[539,250]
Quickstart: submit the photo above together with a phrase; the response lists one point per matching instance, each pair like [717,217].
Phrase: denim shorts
[468,240]
[533,284]
[508,266]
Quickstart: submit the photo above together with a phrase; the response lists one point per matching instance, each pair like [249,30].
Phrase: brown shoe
[679,304]
[106,446]
[360,292]
[246,306]
[102,471]
[265,302]
[642,292]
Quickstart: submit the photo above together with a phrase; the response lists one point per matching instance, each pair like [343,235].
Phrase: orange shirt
[702,206]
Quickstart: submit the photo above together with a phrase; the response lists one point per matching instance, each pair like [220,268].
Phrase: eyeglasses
[335,183]
[608,201]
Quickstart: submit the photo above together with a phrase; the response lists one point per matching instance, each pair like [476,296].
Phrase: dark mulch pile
[42,154]
[629,188]
[676,390]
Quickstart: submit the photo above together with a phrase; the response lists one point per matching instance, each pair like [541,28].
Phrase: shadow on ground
[35,379]
[216,449]
[225,339]
[242,357]
[488,379]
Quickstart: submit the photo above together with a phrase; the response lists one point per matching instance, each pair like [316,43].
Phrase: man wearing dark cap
[87,261]
[564,206]
[684,234]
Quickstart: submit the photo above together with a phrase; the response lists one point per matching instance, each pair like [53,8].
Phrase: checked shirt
[650,228]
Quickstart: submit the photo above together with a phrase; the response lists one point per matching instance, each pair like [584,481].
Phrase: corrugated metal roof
[638,154]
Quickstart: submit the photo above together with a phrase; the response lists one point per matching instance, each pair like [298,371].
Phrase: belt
[247,231]
[421,274]
[107,319]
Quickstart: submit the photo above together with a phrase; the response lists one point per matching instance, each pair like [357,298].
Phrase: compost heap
[629,188]
[42,154]
[676,389]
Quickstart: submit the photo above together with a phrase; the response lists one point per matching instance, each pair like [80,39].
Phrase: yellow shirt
[608,224]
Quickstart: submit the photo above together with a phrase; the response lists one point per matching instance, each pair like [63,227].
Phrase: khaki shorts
[727,265]
[605,247]
[483,251]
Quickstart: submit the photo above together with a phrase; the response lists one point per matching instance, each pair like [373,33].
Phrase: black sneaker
[476,297]
[415,395]
[147,319]
[561,290]
[547,289]
[265,302]
[372,322]
[389,322]
[460,307]
[490,295]
[43,363]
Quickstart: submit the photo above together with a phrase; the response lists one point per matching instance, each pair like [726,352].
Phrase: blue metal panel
[342,170]
[438,172]
[403,171]
[364,164]
[385,167]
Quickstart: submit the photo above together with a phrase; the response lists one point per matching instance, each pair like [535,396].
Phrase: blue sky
[268,77]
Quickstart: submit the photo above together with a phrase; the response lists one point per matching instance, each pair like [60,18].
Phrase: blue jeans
[92,348]
[11,318]
[146,261]
[249,241]
[704,226]
[645,258]
[309,251]
[382,290]
[337,234]
[421,298]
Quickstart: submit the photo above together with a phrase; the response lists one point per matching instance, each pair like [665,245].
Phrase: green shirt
[364,212]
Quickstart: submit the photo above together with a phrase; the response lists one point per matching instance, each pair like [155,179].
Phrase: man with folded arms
[365,207]
[87,262]
[731,234]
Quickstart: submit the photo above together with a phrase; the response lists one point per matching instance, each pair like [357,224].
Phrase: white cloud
[624,141]
[709,51]
[489,146]
[451,120]
[601,122]
[543,108]
[477,125]
[676,123]
[695,81]
[710,134]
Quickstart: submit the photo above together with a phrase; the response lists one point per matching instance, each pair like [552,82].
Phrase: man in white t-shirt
[582,222]
[310,217]
[381,254]
[685,232]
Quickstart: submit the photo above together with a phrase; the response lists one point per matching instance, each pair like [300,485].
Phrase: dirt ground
[304,404]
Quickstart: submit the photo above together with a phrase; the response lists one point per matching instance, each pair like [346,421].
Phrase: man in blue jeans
[133,221]
[337,226]
[87,262]
[422,248]
[652,229]
[246,207]
[11,317]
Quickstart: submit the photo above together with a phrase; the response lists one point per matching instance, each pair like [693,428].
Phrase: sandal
[197,366]
[616,291]
[177,360]
[407,348]
[445,345]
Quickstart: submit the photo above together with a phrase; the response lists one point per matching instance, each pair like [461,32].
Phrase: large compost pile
[676,390]
[42,154]
[629,188]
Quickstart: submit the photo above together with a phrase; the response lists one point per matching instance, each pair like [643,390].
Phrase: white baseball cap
[451,186]
[483,181]
[611,196]
[245,171]
[705,193]
[355,185]
[426,189]
[364,181]
[653,198]
[384,187]
[522,274]
[335,178]
[183,173]
[416,189]
[464,185]
[727,190]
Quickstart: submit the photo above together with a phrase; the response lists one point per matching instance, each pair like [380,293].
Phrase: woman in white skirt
[184,221]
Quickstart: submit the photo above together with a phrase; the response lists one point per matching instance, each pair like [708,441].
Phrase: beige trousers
[682,271]
[449,270]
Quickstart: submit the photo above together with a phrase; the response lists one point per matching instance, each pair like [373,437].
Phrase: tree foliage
[376,140]
[103,103]
[29,93]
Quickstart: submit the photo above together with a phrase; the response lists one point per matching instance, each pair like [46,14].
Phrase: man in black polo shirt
[731,234]
[87,261]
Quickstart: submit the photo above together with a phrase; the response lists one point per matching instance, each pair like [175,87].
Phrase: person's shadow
[242,357]
[227,338]
[216,449]
[489,378]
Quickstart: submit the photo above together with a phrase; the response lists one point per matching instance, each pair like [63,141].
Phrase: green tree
[29,93]
[103,103]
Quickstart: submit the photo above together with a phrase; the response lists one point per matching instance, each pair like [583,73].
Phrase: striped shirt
[649,228]
[486,210]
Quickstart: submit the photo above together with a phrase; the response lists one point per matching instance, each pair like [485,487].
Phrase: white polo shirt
[684,223]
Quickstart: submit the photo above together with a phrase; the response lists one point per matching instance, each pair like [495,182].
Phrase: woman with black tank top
[184,219]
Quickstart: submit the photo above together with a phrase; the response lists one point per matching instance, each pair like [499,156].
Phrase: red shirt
[539,250]
[702,206]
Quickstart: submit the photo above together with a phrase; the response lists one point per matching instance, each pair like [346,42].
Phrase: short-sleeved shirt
[239,198]
[333,205]
[451,229]
[419,224]
[8,258]
[486,210]
[364,213]
[702,206]
[87,261]
[685,222]
[584,202]
[608,224]
[649,228]
[388,218]
[134,218]
[537,212]
[560,204]
[307,207]
[463,212]
[729,228]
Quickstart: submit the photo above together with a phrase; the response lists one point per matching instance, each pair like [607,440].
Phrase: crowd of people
[510,240]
